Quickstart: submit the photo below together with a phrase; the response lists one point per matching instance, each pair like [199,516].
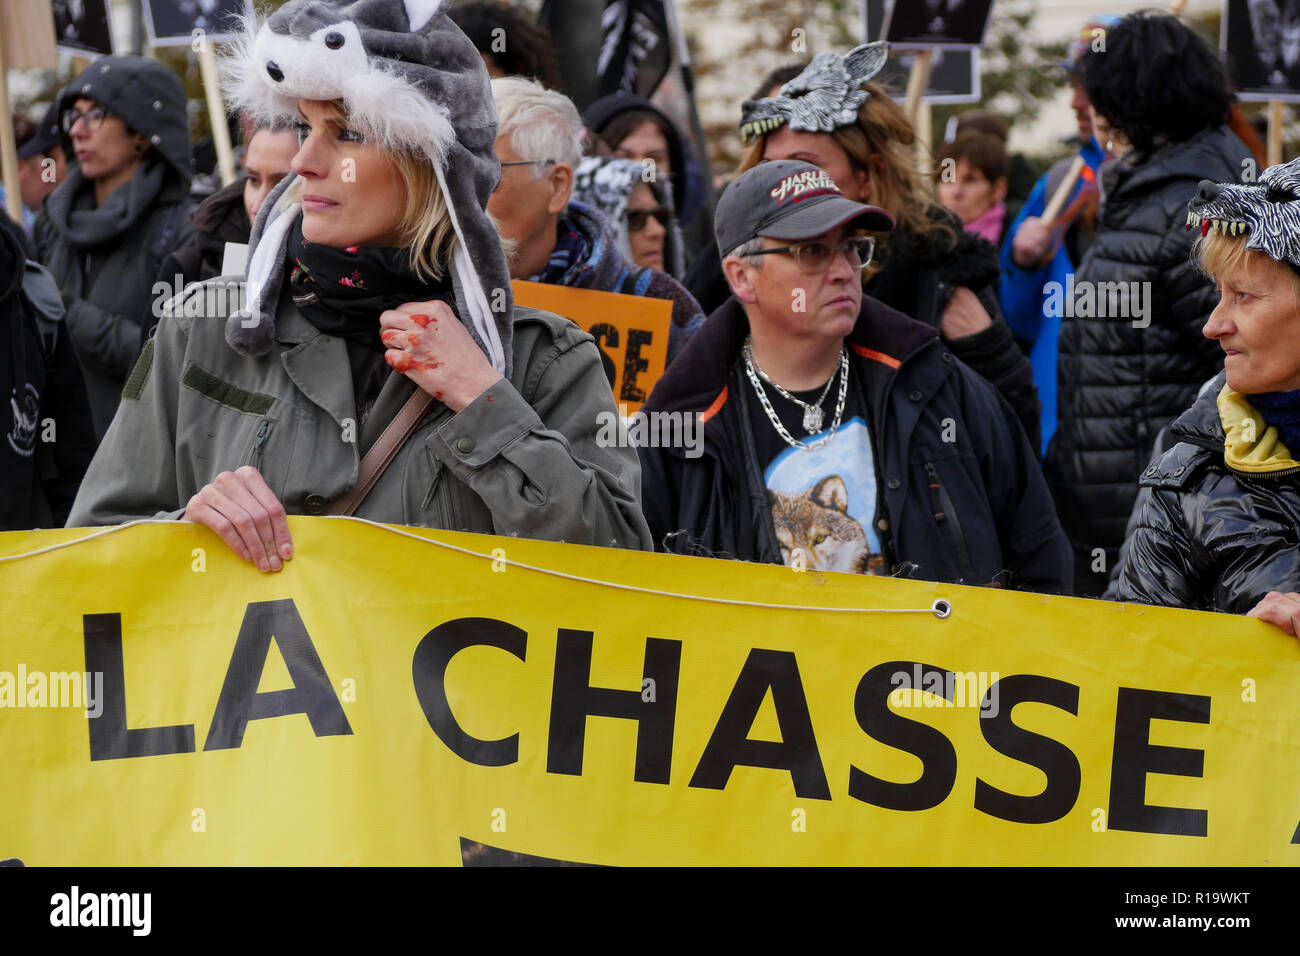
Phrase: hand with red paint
[428,344]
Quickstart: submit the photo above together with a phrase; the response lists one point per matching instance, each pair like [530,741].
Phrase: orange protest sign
[631,330]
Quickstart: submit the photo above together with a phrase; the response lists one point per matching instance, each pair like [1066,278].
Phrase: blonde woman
[378,341]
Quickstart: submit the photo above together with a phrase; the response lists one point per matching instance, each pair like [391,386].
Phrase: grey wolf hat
[788,199]
[410,80]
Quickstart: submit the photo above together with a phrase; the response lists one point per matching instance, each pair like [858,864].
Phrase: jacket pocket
[946,516]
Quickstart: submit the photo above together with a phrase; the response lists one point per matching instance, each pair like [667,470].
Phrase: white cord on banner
[940,608]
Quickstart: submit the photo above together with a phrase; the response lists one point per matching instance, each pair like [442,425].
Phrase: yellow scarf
[1251,446]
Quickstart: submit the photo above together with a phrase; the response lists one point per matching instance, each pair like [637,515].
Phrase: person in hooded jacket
[634,128]
[104,231]
[378,366]
[1217,519]
[48,440]
[640,212]
[1131,353]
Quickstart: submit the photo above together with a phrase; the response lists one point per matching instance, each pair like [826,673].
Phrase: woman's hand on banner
[1280,609]
[242,509]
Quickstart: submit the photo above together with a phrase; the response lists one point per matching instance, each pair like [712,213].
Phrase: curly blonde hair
[883,144]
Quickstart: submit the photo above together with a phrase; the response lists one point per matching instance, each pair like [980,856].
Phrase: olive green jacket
[521,459]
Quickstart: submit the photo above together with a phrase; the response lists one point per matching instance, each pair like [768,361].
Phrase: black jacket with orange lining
[962,497]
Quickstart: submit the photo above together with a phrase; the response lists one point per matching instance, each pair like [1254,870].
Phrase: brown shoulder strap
[382,452]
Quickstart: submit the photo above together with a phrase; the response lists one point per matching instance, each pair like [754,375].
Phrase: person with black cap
[41,164]
[377,365]
[105,230]
[838,433]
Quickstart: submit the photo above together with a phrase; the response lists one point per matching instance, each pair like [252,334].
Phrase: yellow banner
[631,330]
[397,696]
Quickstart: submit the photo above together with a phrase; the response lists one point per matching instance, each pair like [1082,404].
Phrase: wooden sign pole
[1274,132]
[217,113]
[8,148]
[917,81]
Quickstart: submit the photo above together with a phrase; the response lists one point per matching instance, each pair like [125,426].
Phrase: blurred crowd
[1085,382]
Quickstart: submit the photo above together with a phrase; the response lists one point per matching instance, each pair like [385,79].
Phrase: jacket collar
[697,379]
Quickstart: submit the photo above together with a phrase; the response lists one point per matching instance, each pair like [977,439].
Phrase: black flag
[635,47]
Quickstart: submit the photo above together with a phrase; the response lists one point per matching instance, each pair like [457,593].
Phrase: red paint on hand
[423,321]
[387,335]
[404,362]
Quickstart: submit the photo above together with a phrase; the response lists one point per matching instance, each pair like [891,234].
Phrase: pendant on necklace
[812,419]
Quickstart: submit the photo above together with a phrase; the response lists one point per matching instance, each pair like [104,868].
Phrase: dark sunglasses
[637,218]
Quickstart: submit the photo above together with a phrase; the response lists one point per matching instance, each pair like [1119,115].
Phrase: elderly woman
[1218,516]
[378,366]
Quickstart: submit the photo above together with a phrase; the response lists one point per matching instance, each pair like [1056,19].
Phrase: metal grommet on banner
[942,608]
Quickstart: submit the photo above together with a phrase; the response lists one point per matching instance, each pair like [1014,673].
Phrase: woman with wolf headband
[1218,516]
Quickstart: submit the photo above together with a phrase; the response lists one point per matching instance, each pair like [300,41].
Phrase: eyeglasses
[815,257]
[531,162]
[638,219]
[94,118]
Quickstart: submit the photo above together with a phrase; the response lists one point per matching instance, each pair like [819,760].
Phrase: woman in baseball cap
[832,114]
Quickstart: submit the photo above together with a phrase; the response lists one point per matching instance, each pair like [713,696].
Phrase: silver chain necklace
[811,422]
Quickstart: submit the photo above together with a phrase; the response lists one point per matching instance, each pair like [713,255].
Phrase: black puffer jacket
[1217,523]
[1120,381]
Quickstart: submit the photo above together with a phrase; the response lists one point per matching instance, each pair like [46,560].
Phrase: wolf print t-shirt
[824,501]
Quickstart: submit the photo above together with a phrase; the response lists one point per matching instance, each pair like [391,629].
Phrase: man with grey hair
[839,434]
[556,239]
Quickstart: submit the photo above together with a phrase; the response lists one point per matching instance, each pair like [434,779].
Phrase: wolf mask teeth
[821,99]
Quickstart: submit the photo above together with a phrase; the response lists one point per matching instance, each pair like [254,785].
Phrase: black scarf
[343,291]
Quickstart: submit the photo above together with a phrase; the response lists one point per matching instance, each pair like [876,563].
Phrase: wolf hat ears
[409,80]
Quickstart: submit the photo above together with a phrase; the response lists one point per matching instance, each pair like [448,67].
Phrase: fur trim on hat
[409,81]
